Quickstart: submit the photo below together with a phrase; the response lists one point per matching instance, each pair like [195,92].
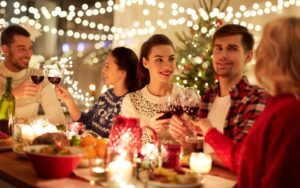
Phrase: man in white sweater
[16,46]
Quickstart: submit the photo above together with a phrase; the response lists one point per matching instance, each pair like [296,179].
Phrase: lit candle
[27,133]
[200,162]
[119,171]
[98,170]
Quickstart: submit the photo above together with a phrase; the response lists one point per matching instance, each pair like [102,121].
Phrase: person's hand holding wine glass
[27,90]
[191,105]
[38,75]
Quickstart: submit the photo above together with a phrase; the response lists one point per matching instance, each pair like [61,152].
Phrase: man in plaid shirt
[232,104]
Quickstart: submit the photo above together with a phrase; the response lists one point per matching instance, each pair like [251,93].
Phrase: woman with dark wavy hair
[155,71]
[119,71]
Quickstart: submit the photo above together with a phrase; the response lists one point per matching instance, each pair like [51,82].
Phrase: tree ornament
[219,23]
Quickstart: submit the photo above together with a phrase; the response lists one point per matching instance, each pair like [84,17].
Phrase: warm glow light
[200,162]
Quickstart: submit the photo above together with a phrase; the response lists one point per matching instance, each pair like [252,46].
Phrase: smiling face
[160,63]
[229,57]
[18,53]
[111,71]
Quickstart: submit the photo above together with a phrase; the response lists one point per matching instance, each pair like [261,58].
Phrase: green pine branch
[195,53]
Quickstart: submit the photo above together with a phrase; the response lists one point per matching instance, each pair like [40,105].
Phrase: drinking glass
[171,155]
[164,107]
[37,75]
[191,105]
[175,103]
[54,74]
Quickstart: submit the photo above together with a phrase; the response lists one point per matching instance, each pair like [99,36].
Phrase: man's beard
[18,66]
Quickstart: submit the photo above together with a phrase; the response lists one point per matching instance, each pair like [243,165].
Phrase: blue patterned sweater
[100,118]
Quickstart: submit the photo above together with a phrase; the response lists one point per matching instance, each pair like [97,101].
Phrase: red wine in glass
[37,79]
[167,115]
[176,110]
[192,110]
[54,79]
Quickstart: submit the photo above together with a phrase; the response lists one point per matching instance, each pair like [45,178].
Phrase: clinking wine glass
[172,105]
[54,74]
[164,107]
[37,75]
[175,103]
[191,105]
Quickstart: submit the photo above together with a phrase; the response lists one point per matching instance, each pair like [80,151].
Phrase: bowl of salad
[53,161]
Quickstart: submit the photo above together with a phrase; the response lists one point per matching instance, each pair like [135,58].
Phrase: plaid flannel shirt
[247,102]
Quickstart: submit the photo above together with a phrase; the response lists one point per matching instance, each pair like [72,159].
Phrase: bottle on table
[7,108]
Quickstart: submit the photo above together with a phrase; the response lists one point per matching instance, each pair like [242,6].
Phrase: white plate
[85,173]
[4,148]
[175,185]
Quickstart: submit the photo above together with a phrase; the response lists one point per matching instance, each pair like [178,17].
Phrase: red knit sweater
[270,154]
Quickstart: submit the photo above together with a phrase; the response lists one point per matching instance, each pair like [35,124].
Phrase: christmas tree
[195,55]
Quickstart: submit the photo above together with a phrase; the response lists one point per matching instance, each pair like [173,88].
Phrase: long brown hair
[154,40]
[277,57]
[127,60]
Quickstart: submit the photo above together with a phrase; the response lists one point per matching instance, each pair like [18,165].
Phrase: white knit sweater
[46,97]
[142,104]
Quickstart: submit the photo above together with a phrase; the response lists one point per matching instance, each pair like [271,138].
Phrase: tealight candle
[119,171]
[200,162]
[96,165]
[98,170]
[27,132]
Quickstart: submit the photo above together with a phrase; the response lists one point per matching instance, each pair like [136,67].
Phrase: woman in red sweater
[270,154]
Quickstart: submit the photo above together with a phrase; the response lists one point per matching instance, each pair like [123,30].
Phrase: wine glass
[175,103]
[164,107]
[54,74]
[37,75]
[191,105]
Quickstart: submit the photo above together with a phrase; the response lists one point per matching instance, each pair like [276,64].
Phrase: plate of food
[170,178]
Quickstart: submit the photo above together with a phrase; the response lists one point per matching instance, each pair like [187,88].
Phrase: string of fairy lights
[171,15]
[177,17]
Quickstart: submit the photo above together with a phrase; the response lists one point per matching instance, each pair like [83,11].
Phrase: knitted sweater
[45,97]
[100,117]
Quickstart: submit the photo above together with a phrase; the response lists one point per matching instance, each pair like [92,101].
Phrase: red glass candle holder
[171,155]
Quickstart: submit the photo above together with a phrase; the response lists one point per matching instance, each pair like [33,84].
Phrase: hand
[204,125]
[178,129]
[159,125]
[62,93]
[26,90]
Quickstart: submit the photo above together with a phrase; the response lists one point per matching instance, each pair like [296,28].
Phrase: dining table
[17,171]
